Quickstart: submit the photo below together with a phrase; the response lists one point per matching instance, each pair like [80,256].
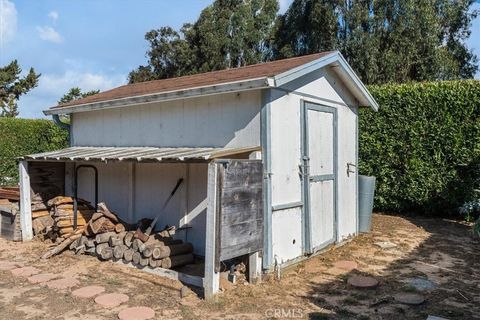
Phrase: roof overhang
[335,60]
[138,154]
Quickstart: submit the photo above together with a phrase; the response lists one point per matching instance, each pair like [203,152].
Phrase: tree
[228,34]
[12,86]
[75,94]
[385,40]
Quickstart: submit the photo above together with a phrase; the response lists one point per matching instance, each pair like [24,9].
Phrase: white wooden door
[319,173]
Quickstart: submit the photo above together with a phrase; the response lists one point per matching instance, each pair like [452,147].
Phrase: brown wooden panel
[47,180]
[240,214]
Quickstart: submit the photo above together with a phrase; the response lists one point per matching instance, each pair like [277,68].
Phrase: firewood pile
[102,234]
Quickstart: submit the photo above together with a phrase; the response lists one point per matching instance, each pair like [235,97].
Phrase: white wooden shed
[269,154]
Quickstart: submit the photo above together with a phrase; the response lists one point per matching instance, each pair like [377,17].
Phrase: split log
[96,215]
[90,251]
[103,207]
[148,251]
[99,248]
[90,243]
[153,262]
[138,245]
[101,225]
[106,253]
[128,238]
[104,237]
[41,224]
[74,244]
[177,261]
[177,249]
[39,206]
[119,228]
[115,241]
[61,246]
[136,257]
[119,251]
[157,252]
[41,213]
[144,262]
[128,255]
[68,223]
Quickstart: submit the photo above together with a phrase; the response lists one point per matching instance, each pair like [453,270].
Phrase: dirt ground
[440,251]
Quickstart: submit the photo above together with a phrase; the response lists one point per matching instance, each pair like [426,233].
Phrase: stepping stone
[88,292]
[136,313]
[362,282]
[41,278]
[409,298]
[385,245]
[8,265]
[346,265]
[64,283]
[421,284]
[25,271]
[110,300]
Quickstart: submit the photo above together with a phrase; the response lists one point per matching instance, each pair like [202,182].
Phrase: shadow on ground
[440,251]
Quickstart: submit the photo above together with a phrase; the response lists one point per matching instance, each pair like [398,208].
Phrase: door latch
[349,170]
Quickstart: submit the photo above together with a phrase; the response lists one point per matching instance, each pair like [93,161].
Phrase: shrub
[26,136]
[423,145]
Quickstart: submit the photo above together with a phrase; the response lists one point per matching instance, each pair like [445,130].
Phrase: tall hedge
[26,136]
[423,145]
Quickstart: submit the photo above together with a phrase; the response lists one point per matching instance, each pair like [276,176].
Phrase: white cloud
[49,34]
[8,22]
[53,15]
[52,87]
[58,84]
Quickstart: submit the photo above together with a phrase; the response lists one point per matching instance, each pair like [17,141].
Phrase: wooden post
[131,192]
[25,202]
[254,268]
[69,172]
[212,278]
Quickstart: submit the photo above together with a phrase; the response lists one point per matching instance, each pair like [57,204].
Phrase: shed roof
[137,154]
[262,75]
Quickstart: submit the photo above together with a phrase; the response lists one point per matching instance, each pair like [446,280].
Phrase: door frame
[305,175]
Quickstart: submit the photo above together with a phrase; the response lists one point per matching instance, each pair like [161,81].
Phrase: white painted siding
[286,157]
[227,120]
[152,185]
[287,234]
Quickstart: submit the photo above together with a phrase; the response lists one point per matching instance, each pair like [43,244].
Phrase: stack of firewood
[158,251]
[61,209]
[104,235]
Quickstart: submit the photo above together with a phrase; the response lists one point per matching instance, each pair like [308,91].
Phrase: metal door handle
[349,164]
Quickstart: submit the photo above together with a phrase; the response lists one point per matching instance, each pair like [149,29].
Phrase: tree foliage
[75,94]
[12,86]
[423,145]
[228,34]
[384,40]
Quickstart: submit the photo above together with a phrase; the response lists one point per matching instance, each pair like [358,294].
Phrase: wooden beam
[212,278]
[25,202]
[131,192]
[69,172]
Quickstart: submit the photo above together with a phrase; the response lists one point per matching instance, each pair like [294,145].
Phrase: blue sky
[92,44]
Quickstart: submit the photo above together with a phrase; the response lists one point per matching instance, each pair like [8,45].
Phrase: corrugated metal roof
[137,154]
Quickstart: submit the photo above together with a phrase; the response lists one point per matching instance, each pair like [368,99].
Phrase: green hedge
[423,145]
[26,136]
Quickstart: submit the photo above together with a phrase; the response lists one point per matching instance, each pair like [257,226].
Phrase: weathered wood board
[240,208]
